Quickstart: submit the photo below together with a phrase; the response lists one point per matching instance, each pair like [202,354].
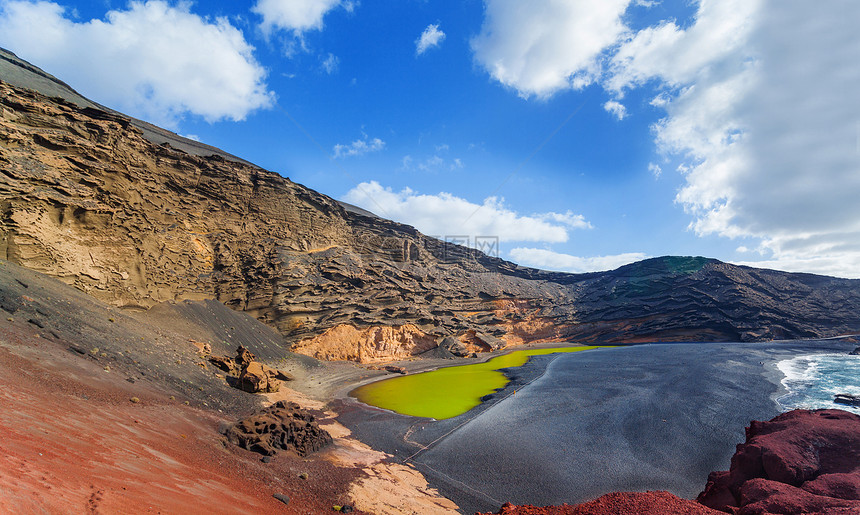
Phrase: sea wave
[813,380]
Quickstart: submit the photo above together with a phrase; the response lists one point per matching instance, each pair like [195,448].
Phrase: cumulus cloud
[678,56]
[763,119]
[152,60]
[616,109]
[540,48]
[297,16]
[431,37]
[445,214]
[358,147]
[549,260]
[767,121]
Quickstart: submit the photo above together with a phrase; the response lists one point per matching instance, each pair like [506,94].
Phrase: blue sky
[585,135]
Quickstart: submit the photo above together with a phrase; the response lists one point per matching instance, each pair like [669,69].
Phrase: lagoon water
[450,391]
[644,417]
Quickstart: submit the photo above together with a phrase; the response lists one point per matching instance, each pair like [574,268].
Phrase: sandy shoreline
[73,365]
[482,458]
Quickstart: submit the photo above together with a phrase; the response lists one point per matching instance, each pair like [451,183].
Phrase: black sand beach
[570,427]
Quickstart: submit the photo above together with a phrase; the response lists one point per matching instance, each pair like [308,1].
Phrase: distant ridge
[98,200]
[21,73]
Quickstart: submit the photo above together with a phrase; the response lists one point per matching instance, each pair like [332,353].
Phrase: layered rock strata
[102,203]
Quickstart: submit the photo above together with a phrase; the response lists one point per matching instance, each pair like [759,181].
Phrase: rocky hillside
[136,216]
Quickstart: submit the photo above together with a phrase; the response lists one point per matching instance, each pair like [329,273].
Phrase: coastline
[748,369]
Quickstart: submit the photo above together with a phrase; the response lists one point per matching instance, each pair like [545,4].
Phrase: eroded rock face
[97,200]
[799,462]
[282,426]
[367,345]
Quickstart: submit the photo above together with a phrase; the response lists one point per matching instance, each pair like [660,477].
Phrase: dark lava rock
[844,398]
[799,462]
[855,352]
[281,497]
[281,426]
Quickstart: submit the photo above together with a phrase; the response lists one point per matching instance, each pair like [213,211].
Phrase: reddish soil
[74,442]
[620,503]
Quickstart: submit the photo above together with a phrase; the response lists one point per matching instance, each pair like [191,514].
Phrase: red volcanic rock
[764,497]
[799,462]
[647,503]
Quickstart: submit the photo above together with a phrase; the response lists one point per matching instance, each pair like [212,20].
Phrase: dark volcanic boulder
[799,462]
[282,426]
[855,352]
[844,398]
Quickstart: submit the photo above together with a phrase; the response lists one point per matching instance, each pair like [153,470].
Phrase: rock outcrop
[116,208]
[848,399]
[249,375]
[367,345]
[799,462]
[281,426]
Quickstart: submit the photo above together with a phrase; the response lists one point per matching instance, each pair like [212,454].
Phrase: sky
[583,135]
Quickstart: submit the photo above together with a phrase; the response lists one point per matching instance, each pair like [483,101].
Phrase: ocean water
[813,380]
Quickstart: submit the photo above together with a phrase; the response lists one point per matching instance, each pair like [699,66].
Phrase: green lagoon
[447,392]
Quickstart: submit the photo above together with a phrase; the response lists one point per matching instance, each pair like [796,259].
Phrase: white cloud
[678,56]
[297,16]
[760,107]
[358,147]
[655,169]
[540,48]
[432,37]
[766,120]
[549,260]
[445,214]
[330,64]
[616,109]
[152,61]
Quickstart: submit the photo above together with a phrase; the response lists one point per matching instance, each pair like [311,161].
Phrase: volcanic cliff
[136,216]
